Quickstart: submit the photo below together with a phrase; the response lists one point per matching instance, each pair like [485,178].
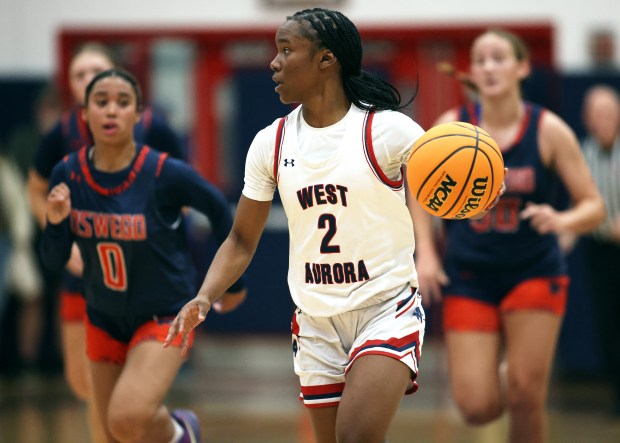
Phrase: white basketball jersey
[351,235]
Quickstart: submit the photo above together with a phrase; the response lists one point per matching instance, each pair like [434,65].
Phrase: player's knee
[527,392]
[127,425]
[480,411]
[481,416]
[358,434]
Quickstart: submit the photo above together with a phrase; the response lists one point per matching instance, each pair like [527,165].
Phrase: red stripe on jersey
[472,114]
[370,155]
[278,148]
[160,163]
[524,124]
[473,111]
[117,189]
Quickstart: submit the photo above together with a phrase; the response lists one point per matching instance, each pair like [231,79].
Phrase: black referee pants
[604,263]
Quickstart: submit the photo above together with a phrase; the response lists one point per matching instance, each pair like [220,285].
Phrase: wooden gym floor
[244,390]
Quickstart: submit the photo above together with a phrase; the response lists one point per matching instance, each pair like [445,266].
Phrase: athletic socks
[178,431]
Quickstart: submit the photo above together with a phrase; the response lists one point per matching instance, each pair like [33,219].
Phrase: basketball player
[121,202]
[505,281]
[69,135]
[337,161]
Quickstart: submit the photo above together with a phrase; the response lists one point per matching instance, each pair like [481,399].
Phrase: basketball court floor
[244,390]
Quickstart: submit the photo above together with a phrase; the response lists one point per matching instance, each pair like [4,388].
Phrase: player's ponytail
[333,30]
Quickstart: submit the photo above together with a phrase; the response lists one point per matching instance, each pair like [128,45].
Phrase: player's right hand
[432,278]
[191,315]
[502,191]
[58,205]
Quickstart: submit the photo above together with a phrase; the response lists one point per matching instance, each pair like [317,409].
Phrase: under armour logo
[287,162]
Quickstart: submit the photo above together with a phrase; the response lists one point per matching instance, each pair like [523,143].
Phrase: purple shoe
[189,422]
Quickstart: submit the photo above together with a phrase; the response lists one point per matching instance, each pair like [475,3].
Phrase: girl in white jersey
[338,163]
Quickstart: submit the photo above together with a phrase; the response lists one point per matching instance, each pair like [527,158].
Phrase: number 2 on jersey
[328,221]
[113,266]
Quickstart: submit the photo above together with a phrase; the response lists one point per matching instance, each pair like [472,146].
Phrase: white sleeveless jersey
[351,234]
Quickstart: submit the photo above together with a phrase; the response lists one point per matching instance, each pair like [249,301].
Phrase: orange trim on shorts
[468,314]
[72,307]
[158,331]
[543,294]
[546,294]
[103,348]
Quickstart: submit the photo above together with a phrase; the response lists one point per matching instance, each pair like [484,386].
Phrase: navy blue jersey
[501,239]
[71,133]
[129,228]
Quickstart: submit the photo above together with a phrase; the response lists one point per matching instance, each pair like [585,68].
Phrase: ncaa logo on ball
[441,194]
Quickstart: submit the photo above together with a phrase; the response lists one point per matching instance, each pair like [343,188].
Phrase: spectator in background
[24,140]
[18,269]
[603,50]
[29,324]
[601,149]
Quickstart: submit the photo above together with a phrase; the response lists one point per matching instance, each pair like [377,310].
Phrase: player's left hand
[75,265]
[229,301]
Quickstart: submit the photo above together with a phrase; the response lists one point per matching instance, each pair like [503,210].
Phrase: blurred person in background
[30,323]
[601,149]
[18,268]
[24,141]
[503,277]
[68,135]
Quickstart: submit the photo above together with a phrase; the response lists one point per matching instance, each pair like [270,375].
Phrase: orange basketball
[455,170]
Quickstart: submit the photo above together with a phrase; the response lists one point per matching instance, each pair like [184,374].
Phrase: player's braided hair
[334,31]
[117,72]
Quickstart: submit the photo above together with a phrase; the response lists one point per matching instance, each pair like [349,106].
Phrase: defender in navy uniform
[483,242]
[121,202]
[505,280]
[69,135]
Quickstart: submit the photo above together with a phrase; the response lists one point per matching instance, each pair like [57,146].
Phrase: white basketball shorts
[325,348]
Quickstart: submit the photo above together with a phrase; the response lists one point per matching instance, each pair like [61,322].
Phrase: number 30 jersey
[351,234]
[501,238]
